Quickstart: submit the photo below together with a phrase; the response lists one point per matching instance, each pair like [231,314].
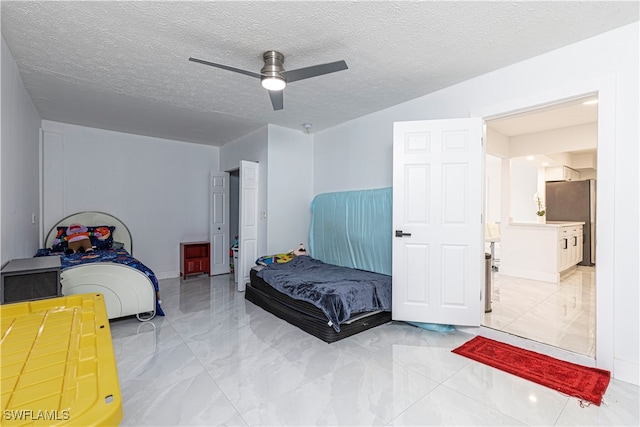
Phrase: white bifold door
[438,246]
[248,221]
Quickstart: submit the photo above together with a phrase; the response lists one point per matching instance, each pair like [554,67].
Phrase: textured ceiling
[124,65]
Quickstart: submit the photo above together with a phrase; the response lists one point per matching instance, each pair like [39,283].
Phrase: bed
[344,286]
[129,287]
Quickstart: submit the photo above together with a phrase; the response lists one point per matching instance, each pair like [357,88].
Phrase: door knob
[399,233]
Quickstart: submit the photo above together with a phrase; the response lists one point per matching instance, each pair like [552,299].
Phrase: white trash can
[236,267]
[488,282]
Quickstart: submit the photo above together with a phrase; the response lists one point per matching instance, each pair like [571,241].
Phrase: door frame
[605,89]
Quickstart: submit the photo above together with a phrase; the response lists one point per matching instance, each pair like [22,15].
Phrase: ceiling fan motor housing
[273,65]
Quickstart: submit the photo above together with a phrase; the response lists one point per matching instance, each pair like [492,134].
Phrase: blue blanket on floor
[120,256]
[338,291]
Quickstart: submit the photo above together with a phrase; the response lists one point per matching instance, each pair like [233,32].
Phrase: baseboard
[626,371]
[167,275]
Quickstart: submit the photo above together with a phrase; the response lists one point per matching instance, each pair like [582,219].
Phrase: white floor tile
[188,401]
[562,315]
[446,407]
[523,400]
[216,359]
[619,408]
[369,391]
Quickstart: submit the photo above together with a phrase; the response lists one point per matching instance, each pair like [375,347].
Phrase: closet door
[219,222]
[438,247]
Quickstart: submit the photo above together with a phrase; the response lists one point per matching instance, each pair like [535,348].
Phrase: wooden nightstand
[194,258]
[27,279]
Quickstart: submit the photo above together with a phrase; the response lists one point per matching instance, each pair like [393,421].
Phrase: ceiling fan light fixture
[273,83]
[272,79]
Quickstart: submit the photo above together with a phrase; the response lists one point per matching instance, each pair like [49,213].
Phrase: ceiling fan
[273,76]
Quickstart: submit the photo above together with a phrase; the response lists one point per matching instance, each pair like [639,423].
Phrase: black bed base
[305,315]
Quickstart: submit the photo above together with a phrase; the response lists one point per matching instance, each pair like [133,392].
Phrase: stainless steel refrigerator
[575,201]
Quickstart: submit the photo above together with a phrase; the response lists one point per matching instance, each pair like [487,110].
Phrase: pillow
[97,243]
[100,243]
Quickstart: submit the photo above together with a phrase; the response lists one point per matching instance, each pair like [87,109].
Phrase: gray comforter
[338,291]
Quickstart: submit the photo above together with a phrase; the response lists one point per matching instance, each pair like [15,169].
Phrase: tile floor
[216,359]
[562,315]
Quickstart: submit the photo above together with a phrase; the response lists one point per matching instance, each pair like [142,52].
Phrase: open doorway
[236,213]
[533,299]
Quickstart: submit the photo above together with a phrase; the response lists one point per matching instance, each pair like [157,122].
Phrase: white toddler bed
[127,291]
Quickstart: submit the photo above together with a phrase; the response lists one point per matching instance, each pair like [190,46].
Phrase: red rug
[569,378]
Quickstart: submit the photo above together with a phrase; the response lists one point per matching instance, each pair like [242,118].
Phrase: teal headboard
[353,229]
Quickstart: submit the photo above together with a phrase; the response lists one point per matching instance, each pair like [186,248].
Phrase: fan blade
[314,70]
[276,99]
[225,67]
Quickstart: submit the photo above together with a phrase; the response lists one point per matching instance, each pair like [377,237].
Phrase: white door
[248,221]
[438,248]
[219,222]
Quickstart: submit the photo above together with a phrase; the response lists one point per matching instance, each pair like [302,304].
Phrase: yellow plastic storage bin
[57,363]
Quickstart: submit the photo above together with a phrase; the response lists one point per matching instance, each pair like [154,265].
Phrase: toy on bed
[78,237]
[109,268]
[282,258]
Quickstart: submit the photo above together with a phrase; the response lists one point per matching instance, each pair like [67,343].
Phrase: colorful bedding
[119,256]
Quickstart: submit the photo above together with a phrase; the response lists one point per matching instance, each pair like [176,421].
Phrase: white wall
[497,185]
[497,143]
[493,196]
[19,155]
[157,187]
[524,184]
[290,188]
[572,138]
[357,155]
[285,157]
